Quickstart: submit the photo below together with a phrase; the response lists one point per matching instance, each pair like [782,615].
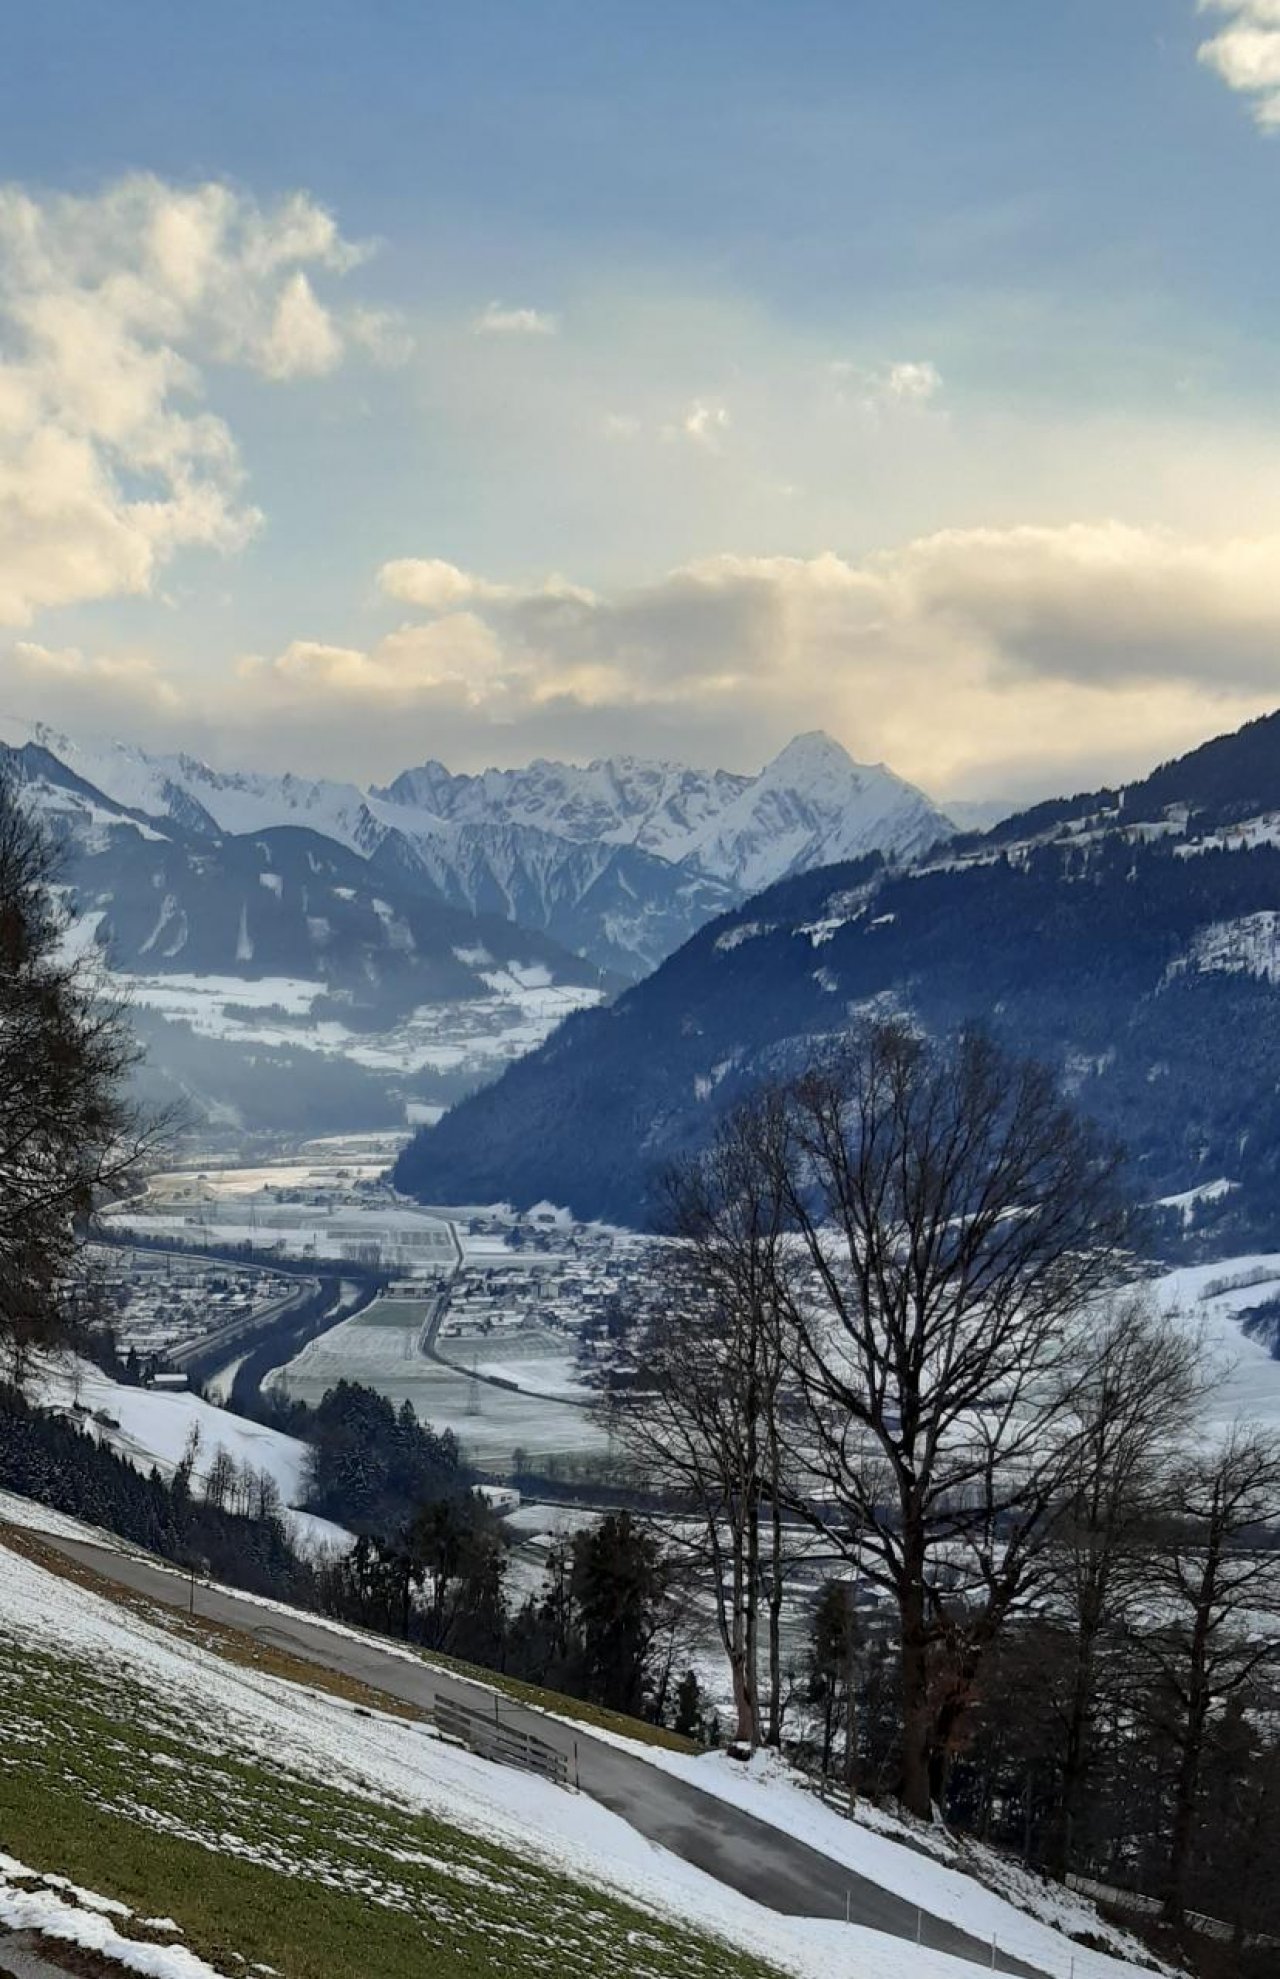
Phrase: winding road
[761,1861]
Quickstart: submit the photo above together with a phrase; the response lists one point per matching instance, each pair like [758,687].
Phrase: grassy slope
[556,1703]
[104,1782]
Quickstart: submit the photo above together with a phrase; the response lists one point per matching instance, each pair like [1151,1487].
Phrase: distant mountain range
[280,980]
[307,954]
[618,862]
[1129,937]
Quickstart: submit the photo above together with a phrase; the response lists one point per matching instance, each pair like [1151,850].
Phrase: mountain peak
[814,750]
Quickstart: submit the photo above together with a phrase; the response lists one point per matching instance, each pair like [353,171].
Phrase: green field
[106,1782]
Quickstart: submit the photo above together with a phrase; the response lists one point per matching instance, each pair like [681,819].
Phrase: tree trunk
[1074,1765]
[751,1592]
[850,1707]
[773,1736]
[917,1725]
[746,1704]
[1193,1735]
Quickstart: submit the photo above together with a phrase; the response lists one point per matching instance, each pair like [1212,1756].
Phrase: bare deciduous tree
[956,1218]
[707,1427]
[1142,1379]
[1221,1587]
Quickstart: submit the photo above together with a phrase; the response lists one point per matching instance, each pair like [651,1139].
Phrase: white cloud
[1019,658]
[381,333]
[112,309]
[437,586]
[1022,659]
[913,383]
[906,382]
[302,339]
[705,423]
[91,692]
[1246,53]
[457,658]
[497,320]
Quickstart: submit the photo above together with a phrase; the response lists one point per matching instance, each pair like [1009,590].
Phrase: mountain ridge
[1133,944]
[619,860]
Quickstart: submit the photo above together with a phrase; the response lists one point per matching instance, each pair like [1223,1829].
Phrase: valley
[466,1246]
[639,991]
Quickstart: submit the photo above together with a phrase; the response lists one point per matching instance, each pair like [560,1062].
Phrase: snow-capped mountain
[201,799]
[619,860]
[278,977]
[810,805]
[1128,938]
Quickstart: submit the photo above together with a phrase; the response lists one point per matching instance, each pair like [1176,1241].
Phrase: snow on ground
[33,1517]
[1208,1299]
[151,1426]
[555,1376]
[318,1738]
[58,1910]
[381,1347]
[1247,946]
[926,1867]
[887,1851]
[476,1035]
[195,998]
[1188,1200]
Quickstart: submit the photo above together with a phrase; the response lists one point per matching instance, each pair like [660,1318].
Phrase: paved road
[761,1861]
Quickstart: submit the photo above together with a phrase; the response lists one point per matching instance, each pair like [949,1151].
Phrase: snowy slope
[1208,1300]
[619,860]
[313,1737]
[150,1426]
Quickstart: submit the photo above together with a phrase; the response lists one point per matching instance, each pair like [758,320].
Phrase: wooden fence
[489,1737]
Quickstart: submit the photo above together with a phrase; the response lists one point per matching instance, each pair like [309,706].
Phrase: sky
[398,380]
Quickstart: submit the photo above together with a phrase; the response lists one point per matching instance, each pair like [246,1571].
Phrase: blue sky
[690,375]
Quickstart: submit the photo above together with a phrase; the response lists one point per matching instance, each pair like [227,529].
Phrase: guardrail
[489,1738]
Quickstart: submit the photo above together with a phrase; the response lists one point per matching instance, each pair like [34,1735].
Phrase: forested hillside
[1138,955]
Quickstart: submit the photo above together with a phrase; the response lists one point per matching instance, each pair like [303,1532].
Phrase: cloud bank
[1022,659]
[114,310]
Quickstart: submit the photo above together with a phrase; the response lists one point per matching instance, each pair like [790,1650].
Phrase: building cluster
[155,1301]
[568,1287]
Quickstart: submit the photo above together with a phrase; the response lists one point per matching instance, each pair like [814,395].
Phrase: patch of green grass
[238,1647]
[107,1782]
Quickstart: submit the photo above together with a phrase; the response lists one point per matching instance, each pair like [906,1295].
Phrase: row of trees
[893,1329]
[604,1624]
[1120,1710]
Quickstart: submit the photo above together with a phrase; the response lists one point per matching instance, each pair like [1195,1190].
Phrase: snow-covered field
[1208,1299]
[381,1348]
[150,1426]
[174,1687]
[474,1035]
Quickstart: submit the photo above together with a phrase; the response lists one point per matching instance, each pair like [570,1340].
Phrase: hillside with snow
[1129,939]
[618,860]
[187,1804]
[280,980]
[157,1429]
